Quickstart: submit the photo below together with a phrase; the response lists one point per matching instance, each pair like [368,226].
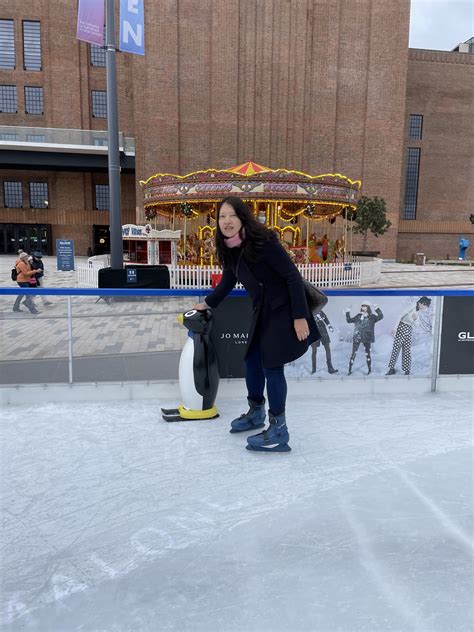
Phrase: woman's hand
[301,328]
[200,307]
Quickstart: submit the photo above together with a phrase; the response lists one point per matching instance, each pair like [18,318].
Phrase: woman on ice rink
[282,327]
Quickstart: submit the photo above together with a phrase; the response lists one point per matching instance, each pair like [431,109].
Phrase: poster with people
[371,336]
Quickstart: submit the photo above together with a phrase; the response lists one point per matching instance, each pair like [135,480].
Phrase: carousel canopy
[248,169]
[252,182]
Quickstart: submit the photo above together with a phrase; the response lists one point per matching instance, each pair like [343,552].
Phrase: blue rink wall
[440,342]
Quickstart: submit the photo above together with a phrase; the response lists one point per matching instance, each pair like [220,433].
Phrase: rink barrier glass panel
[102,335]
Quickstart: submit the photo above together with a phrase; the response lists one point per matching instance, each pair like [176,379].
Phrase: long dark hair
[252,233]
[424,300]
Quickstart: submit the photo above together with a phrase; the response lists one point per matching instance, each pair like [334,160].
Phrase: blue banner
[132,27]
[65,254]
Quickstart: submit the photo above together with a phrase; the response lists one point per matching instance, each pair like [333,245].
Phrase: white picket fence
[192,277]
[88,275]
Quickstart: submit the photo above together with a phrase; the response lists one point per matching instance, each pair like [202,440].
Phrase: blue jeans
[256,375]
[28,300]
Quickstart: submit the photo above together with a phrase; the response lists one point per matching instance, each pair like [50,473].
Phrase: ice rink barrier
[437,354]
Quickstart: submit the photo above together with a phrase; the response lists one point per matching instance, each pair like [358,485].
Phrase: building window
[32,45]
[34,100]
[102,197]
[35,138]
[8,100]
[99,103]
[12,195]
[39,195]
[416,126]
[7,45]
[411,182]
[98,56]
[7,136]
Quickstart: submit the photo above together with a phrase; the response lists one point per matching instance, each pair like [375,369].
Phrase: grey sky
[441,24]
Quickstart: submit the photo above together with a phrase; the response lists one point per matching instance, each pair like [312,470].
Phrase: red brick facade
[440,88]
[309,85]
[305,85]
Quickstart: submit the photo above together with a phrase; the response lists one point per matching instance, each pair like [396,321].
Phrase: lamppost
[116,244]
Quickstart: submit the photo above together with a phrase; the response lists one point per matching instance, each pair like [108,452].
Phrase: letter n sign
[132,26]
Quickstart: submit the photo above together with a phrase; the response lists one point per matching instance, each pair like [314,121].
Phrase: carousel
[311,214]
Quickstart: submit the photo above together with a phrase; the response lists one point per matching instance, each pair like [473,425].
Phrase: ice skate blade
[280,447]
[173,418]
[170,411]
[233,431]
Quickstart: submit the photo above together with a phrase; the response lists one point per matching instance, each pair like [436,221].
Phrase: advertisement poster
[371,336]
[457,336]
[360,336]
[229,334]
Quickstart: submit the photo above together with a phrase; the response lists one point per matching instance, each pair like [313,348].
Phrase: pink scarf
[233,242]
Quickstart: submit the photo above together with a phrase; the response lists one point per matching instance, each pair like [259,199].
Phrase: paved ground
[132,327]
[408,275]
[148,328]
[393,274]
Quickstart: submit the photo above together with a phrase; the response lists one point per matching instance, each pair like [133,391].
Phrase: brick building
[439,149]
[319,87]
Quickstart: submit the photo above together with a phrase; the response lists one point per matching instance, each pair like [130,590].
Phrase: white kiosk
[143,245]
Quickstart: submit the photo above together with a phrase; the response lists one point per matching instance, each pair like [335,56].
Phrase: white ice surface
[114,521]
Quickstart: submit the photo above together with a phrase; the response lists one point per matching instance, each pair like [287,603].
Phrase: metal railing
[58,139]
[128,328]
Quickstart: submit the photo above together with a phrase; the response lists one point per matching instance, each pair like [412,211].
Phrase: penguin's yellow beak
[180,319]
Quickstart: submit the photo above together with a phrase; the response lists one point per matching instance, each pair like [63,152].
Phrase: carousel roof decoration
[248,169]
[293,190]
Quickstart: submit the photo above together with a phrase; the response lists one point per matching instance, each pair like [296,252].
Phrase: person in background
[282,326]
[36,262]
[24,273]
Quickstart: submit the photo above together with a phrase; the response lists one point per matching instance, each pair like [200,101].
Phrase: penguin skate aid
[198,370]
[282,325]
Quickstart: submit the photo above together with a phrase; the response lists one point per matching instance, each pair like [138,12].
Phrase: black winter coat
[276,289]
[322,323]
[37,264]
[364,326]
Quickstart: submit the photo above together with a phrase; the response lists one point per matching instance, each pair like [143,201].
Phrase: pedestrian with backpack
[24,272]
[37,264]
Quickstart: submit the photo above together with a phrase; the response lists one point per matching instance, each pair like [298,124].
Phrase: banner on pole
[132,27]
[90,21]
